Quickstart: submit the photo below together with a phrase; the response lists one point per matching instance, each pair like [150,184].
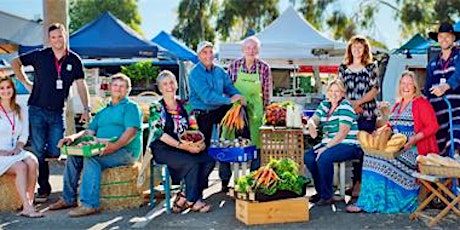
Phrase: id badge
[442,81]
[59,84]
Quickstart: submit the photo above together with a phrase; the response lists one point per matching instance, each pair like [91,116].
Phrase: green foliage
[83,11]
[245,15]
[139,71]
[194,21]
[313,11]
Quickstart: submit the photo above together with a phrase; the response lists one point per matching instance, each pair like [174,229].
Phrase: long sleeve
[425,117]
[25,125]
[157,121]
[454,80]
[201,89]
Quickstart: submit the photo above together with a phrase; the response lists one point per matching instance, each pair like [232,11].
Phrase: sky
[158,15]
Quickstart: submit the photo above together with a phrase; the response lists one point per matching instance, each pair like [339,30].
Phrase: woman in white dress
[14,160]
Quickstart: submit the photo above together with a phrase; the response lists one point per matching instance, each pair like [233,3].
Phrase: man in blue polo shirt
[121,119]
[211,95]
[55,69]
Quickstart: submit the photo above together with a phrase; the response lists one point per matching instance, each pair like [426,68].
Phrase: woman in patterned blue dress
[388,186]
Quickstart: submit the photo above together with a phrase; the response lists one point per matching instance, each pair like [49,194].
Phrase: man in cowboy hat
[443,79]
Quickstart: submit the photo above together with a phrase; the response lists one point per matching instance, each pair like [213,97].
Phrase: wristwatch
[87,109]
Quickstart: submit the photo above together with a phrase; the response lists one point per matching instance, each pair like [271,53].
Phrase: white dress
[8,141]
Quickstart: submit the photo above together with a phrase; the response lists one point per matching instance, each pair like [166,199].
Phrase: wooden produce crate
[279,211]
[280,143]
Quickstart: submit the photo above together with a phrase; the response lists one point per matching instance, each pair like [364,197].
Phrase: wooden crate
[279,211]
[282,143]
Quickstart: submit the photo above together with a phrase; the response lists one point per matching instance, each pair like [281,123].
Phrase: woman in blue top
[337,120]
[168,120]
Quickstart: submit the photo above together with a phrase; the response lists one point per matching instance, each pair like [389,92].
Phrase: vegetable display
[277,175]
[275,113]
[235,118]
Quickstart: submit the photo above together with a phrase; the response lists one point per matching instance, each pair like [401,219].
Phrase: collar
[122,101]
[201,65]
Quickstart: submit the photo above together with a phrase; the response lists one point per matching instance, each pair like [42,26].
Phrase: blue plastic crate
[235,154]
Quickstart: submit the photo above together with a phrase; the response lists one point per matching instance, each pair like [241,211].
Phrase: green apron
[250,88]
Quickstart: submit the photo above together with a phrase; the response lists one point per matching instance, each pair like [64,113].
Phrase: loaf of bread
[383,137]
[435,159]
[397,140]
[363,138]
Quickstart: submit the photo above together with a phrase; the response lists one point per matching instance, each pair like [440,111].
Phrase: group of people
[56,69]
[383,185]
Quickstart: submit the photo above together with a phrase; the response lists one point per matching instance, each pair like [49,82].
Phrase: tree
[417,15]
[313,11]
[194,17]
[246,16]
[83,11]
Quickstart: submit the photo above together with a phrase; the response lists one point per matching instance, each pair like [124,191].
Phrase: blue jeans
[196,180]
[323,169]
[92,173]
[46,129]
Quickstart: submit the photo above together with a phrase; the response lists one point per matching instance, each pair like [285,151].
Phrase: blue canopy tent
[175,47]
[416,45]
[107,36]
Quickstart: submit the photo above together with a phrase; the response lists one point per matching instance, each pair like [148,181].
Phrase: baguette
[383,137]
[397,140]
[363,138]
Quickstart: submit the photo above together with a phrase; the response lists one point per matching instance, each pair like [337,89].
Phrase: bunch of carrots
[265,176]
[235,118]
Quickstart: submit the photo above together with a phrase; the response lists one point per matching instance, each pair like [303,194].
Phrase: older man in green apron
[252,77]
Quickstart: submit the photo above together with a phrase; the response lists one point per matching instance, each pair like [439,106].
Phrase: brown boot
[82,211]
[61,204]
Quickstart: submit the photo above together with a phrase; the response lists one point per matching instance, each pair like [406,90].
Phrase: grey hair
[165,74]
[251,39]
[122,77]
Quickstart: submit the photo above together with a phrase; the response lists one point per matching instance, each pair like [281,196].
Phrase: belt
[202,111]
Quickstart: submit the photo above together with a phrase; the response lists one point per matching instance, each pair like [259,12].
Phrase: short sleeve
[374,76]
[29,58]
[132,116]
[346,114]
[79,73]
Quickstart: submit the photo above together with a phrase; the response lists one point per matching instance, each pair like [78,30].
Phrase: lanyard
[59,65]
[444,67]
[12,121]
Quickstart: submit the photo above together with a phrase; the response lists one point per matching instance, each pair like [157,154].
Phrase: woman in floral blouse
[360,75]
[168,120]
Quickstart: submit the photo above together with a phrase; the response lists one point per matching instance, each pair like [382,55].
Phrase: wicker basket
[279,143]
[119,188]
[10,199]
[381,153]
[144,100]
[439,170]
[197,144]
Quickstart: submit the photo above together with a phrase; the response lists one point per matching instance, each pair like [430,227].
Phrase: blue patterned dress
[388,185]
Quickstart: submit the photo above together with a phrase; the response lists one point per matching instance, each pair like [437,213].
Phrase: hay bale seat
[118,188]
[9,197]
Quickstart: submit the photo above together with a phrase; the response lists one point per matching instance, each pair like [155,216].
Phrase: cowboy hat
[444,27]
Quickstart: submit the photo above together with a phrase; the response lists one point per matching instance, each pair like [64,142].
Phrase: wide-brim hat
[444,27]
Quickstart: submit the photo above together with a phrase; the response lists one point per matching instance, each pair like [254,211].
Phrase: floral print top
[171,121]
[358,83]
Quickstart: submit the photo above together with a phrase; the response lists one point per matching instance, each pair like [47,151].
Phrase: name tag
[59,84]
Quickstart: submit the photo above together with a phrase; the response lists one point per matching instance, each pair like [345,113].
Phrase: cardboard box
[279,211]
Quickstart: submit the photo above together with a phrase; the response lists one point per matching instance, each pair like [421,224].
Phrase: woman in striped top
[337,120]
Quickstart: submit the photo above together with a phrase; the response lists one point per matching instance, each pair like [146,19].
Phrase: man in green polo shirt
[121,119]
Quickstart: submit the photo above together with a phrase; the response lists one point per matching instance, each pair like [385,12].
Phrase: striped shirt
[343,114]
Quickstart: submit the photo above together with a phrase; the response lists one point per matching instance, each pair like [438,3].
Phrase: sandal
[203,208]
[180,203]
[353,209]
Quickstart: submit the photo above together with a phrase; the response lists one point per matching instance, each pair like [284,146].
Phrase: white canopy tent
[290,40]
